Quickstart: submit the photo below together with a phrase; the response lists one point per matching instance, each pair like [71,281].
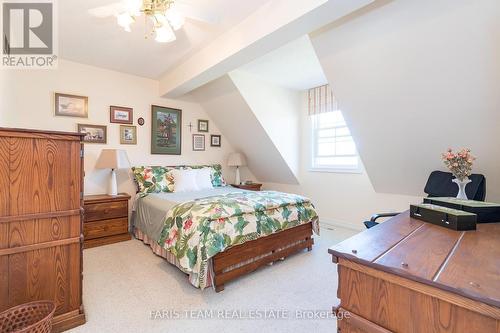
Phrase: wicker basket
[34,317]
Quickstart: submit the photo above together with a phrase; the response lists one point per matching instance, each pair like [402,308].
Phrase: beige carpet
[125,282]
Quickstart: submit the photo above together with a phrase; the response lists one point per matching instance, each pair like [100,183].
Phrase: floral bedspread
[197,230]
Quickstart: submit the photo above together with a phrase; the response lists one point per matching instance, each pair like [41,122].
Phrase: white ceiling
[294,66]
[101,42]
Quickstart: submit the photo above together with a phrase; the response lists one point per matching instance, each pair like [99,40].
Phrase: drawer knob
[404,264]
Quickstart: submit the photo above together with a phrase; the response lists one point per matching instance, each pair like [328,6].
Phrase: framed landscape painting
[71,105]
[93,133]
[166,134]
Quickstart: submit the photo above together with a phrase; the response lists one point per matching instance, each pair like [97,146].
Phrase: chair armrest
[375,217]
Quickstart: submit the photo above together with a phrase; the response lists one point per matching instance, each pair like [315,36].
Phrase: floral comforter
[197,230]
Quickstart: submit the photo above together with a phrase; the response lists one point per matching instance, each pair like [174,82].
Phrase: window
[333,148]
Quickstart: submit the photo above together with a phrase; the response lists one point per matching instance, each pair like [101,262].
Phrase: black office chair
[439,184]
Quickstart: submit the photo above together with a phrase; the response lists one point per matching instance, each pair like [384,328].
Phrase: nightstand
[106,219]
[250,187]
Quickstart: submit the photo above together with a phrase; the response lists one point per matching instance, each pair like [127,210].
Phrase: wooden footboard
[247,257]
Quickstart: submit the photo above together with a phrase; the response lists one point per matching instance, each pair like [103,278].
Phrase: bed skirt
[193,278]
[165,254]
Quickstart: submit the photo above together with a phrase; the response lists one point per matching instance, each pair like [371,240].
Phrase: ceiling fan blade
[108,10]
[203,14]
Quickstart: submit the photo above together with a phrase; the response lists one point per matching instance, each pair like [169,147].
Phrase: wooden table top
[463,262]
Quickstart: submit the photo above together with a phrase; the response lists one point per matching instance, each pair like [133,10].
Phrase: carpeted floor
[126,285]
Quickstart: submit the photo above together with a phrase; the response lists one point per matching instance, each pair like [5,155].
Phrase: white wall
[225,104]
[26,100]
[277,110]
[345,199]
[414,78]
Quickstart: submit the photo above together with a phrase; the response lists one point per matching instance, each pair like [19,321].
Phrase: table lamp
[237,160]
[113,159]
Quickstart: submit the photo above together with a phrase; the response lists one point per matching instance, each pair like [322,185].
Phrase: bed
[219,234]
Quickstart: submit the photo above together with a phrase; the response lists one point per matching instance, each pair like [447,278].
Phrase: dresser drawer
[105,228]
[107,210]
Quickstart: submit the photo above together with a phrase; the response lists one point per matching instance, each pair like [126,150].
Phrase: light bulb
[164,34]
[125,20]
[175,18]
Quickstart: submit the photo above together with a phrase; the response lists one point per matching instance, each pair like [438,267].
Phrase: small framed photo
[121,115]
[71,105]
[215,140]
[93,133]
[202,125]
[128,135]
[198,142]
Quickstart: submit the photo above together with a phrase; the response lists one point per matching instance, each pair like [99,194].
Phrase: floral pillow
[217,179]
[153,179]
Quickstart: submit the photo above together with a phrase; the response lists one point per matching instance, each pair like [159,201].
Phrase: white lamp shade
[236,159]
[113,159]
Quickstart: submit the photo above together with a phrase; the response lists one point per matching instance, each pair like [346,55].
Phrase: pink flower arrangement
[459,163]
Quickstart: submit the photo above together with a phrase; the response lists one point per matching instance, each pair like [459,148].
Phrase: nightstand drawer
[107,210]
[105,228]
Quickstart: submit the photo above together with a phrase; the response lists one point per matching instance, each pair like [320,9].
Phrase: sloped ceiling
[228,109]
[414,77]
[277,110]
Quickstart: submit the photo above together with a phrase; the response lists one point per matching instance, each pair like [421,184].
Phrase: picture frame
[121,115]
[215,140]
[140,121]
[94,133]
[198,142]
[66,105]
[166,130]
[128,135]
[202,125]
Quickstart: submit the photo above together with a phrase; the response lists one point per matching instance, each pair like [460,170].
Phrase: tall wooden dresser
[41,186]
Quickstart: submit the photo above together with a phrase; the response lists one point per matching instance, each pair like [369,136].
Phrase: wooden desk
[406,275]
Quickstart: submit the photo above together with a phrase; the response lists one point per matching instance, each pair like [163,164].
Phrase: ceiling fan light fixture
[165,34]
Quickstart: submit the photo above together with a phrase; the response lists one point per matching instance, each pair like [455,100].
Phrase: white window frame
[314,145]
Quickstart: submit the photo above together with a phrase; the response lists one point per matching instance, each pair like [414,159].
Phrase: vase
[461,187]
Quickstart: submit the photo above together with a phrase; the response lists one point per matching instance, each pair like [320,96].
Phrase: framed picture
[128,135]
[93,133]
[202,125]
[140,121]
[166,134]
[121,115]
[215,140]
[71,105]
[198,142]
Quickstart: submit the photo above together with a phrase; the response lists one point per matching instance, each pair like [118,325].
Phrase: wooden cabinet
[406,275]
[250,187]
[106,219]
[41,185]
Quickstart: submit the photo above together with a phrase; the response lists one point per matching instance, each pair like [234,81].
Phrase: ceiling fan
[162,16]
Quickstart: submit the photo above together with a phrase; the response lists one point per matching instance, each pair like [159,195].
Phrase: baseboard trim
[341,224]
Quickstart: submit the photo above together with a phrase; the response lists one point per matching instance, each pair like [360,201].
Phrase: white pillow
[185,180]
[204,179]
